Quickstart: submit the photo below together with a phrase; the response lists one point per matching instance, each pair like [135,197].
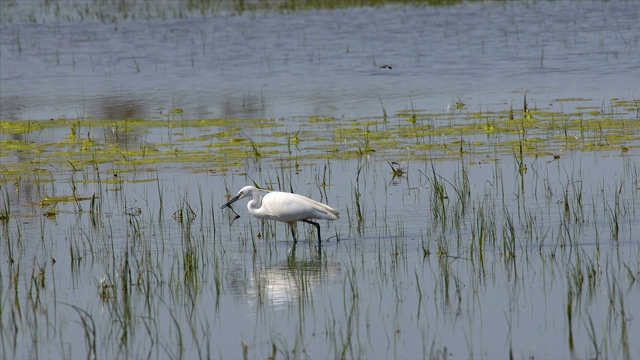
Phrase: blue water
[319,62]
[374,294]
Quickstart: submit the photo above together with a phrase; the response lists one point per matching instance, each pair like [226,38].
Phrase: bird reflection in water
[290,282]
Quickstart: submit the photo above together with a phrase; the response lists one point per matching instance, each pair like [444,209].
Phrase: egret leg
[293,232]
[317,227]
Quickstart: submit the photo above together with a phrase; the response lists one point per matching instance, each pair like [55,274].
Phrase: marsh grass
[109,12]
[5,211]
[450,213]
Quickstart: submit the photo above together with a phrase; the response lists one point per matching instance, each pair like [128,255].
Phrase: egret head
[244,192]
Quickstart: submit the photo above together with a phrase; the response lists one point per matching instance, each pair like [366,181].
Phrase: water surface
[502,227]
[321,62]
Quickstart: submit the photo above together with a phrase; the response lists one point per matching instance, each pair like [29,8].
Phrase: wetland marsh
[488,196]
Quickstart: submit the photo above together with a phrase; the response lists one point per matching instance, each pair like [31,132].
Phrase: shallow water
[507,232]
[154,285]
[322,62]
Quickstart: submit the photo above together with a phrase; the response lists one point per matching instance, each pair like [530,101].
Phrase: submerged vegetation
[504,232]
[503,226]
[111,11]
[143,145]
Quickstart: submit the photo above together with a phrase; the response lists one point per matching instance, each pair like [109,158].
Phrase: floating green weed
[436,215]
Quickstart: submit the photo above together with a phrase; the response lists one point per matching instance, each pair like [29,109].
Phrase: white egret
[284,207]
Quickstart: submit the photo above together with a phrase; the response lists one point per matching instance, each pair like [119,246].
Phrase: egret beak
[228,204]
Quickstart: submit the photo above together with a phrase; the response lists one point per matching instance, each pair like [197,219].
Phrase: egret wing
[290,207]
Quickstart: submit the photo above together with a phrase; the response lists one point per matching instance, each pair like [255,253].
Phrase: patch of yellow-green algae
[316,119]
[130,151]
[52,200]
[219,143]
[570,99]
